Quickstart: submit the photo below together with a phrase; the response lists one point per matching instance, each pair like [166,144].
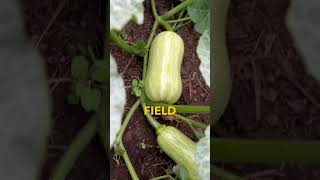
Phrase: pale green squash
[179,148]
[163,79]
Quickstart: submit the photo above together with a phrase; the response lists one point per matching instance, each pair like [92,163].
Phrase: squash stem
[175,10]
[79,143]
[122,44]
[158,18]
[129,165]
[179,20]
[126,121]
[145,58]
[191,121]
[154,123]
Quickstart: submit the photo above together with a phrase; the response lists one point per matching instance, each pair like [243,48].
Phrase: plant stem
[126,121]
[265,151]
[195,132]
[175,10]
[223,174]
[120,42]
[153,30]
[191,121]
[179,20]
[180,16]
[79,143]
[162,177]
[145,58]
[129,165]
[159,18]
[180,25]
[154,123]
[182,108]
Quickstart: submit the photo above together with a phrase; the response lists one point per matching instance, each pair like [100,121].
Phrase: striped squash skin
[179,148]
[163,79]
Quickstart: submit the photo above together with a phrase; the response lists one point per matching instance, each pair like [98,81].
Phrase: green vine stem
[175,10]
[179,20]
[180,16]
[125,155]
[129,165]
[158,18]
[198,135]
[266,151]
[154,123]
[126,121]
[191,121]
[122,44]
[181,25]
[223,174]
[79,143]
[145,58]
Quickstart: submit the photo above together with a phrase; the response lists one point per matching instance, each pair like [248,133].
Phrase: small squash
[163,79]
[179,148]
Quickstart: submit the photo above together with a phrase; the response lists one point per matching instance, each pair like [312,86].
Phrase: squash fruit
[179,148]
[163,79]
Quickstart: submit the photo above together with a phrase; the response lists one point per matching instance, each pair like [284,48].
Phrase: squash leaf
[303,22]
[98,71]
[203,155]
[117,100]
[80,68]
[203,52]
[122,11]
[199,14]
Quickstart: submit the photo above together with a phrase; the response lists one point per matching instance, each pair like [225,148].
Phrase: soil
[273,96]
[149,162]
[80,25]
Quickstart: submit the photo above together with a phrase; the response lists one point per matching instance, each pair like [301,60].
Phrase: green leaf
[117,100]
[73,99]
[122,11]
[80,68]
[99,71]
[200,14]
[139,48]
[203,155]
[137,91]
[80,88]
[303,22]
[90,99]
[203,52]
[134,83]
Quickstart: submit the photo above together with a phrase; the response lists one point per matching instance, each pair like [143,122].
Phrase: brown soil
[79,26]
[150,162]
[273,96]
